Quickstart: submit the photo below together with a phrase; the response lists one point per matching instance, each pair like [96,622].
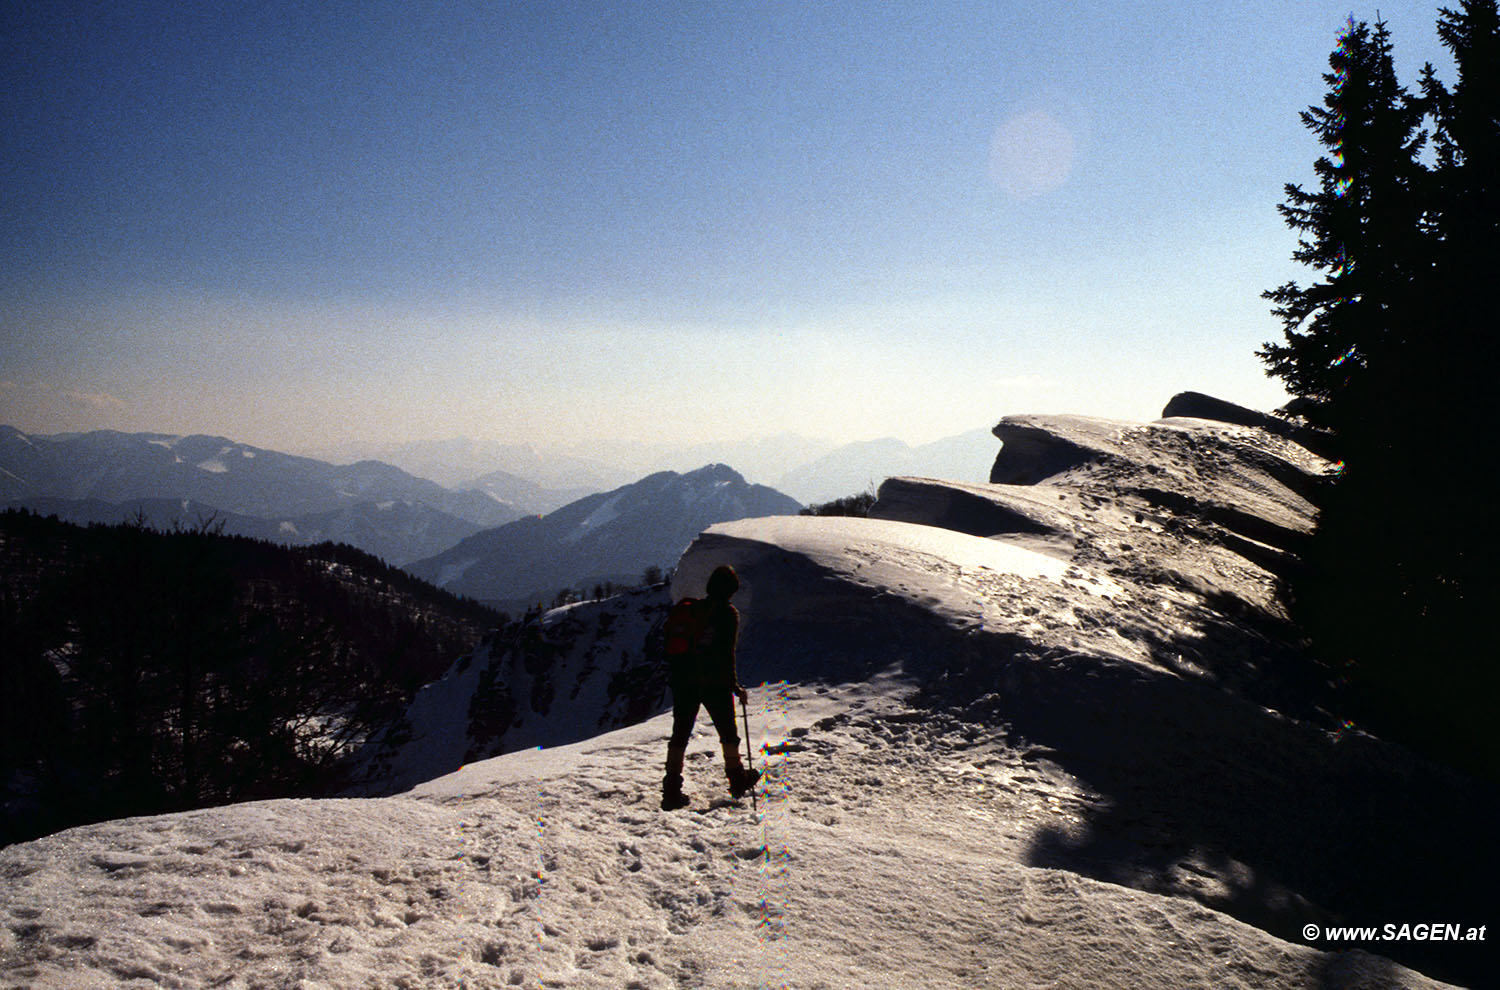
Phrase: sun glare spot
[1031,154]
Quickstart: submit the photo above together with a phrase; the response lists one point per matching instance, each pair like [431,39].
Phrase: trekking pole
[749,759]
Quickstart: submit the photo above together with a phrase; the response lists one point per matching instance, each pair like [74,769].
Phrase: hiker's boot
[672,796]
[741,781]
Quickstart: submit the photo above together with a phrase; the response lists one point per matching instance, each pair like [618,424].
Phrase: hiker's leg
[684,712]
[720,705]
[685,702]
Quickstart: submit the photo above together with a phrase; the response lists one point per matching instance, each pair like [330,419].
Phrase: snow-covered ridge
[1155,545]
[1152,659]
[1053,730]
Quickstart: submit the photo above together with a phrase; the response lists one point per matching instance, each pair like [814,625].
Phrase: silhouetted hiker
[700,636]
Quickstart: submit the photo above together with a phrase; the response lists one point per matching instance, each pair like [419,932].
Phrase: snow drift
[1119,610]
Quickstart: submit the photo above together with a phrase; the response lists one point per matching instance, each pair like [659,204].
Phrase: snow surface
[886,853]
[926,564]
[215,464]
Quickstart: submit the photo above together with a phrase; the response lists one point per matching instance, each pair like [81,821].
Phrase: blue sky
[304,224]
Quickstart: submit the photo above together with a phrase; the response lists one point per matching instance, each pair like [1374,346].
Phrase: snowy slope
[572,673]
[890,852]
[1053,734]
[1121,614]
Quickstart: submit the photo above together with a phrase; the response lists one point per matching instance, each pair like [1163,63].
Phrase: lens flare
[1032,154]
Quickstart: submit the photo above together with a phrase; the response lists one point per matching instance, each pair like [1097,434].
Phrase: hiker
[700,642]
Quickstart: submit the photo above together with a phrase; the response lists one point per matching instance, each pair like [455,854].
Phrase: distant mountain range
[511,489]
[402,516]
[808,470]
[545,479]
[611,536]
[860,467]
[177,481]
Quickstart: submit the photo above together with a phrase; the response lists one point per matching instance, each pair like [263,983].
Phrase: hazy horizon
[818,469]
[301,228]
[360,447]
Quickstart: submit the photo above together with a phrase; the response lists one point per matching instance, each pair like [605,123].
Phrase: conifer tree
[1468,116]
[1466,193]
[1362,229]
[1397,346]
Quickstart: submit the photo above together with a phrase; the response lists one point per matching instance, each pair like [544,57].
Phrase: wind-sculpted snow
[890,852]
[1122,614]
[1054,734]
[1197,522]
[1231,476]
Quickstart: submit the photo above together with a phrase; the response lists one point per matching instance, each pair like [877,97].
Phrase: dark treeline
[849,505]
[150,671]
[1394,348]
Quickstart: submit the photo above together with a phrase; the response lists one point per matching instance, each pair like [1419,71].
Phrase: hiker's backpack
[687,632]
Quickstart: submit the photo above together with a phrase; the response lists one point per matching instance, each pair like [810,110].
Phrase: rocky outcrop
[1196,405]
[1234,483]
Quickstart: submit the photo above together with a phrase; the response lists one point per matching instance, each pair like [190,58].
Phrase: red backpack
[687,631]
